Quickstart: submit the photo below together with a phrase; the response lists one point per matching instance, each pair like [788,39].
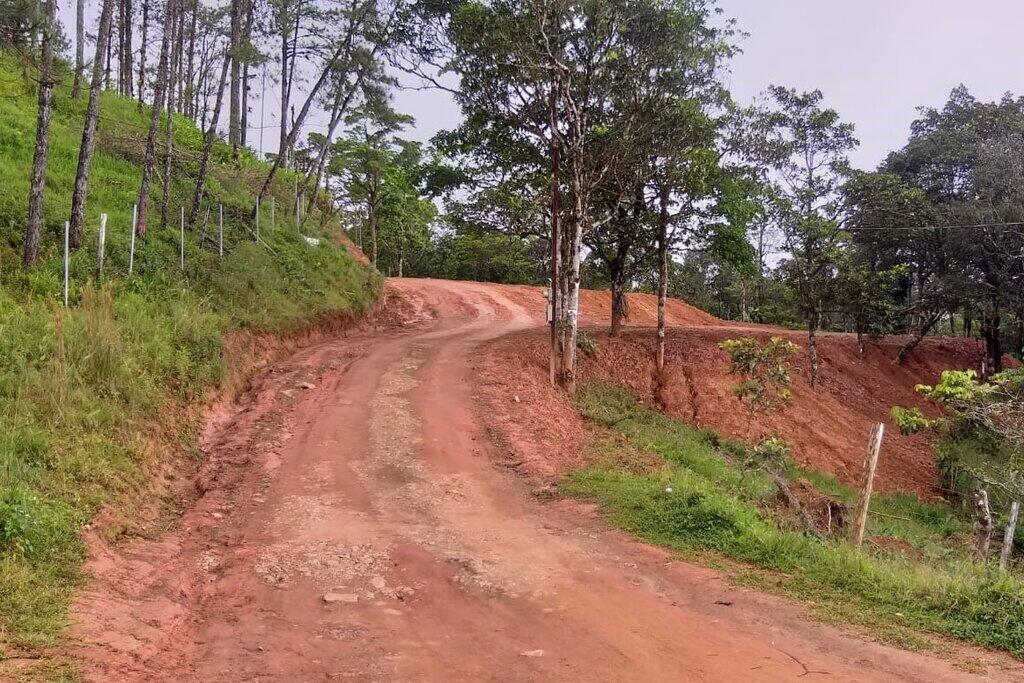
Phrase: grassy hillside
[94,396]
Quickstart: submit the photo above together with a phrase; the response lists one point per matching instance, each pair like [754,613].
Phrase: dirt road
[354,527]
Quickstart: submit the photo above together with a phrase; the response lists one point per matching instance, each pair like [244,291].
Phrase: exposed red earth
[363,514]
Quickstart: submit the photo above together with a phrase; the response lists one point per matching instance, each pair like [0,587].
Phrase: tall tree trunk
[129,66]
[122,29]
[172,79]
[34,224]
[76,88]
[341,103]
[289,48]
[179,62]
[234,113]
[154,119]
[92,112]
[569,284]
[554,191]
[663,200]
[211,135]
[285,93]
[108,67]
[246,37]
[142,51]
[193,82]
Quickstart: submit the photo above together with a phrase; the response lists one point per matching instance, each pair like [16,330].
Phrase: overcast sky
[875,60]
[878,60]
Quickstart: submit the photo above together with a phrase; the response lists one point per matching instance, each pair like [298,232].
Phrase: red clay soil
[828,426]
[350,524]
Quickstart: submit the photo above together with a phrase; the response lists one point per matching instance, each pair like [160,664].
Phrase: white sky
[875,60]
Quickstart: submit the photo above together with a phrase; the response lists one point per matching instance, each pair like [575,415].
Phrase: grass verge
[694,500]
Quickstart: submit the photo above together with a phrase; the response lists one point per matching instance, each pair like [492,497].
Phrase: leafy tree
[806,146]
[466,253]
[966,158]
[366,158]
[989,418]
[888,223]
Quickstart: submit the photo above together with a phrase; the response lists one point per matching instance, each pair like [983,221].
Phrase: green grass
[92,396]
[695,501]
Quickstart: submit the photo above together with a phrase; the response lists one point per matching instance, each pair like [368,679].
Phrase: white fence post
[67,262]
[257,219]
[131,241]
[183,239]
[271,214]
[101,253]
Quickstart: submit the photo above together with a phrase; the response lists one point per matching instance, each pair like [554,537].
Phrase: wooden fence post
[982,526]
[101,251]
[860,520]
[182,247]
[1011,529]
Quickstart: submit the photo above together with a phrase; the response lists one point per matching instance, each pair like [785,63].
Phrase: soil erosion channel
[354,526]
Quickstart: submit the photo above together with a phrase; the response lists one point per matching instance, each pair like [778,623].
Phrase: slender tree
[234,108]
[211,135]
[806,149]
[34,224]
[172,80]
[250,7]
[142,51]
[76,87]
[154,119]
[92,113]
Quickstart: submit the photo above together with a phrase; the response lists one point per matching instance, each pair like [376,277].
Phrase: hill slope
[827,426]
[97,398]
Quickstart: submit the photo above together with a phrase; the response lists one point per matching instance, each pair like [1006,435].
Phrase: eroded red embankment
[827,426]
